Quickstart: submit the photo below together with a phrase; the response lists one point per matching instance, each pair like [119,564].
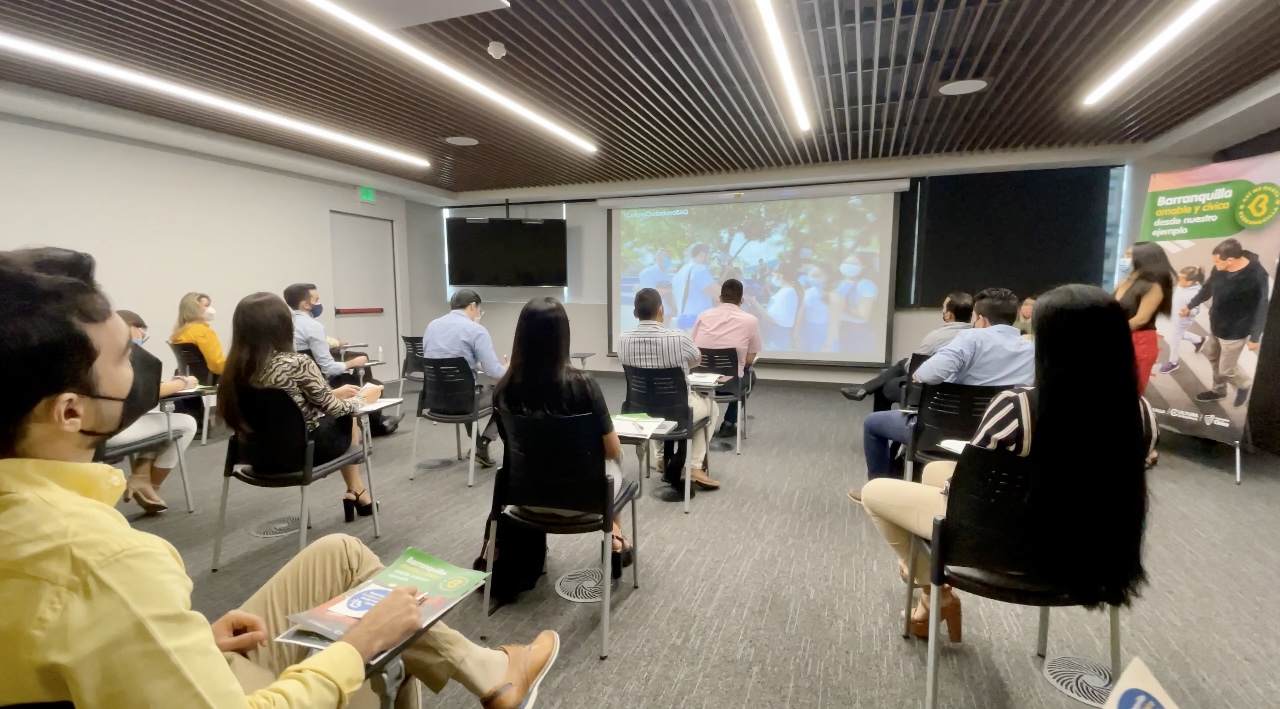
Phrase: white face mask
[850,270]
[209,313]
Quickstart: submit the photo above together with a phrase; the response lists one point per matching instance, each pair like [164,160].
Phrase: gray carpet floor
[777,591]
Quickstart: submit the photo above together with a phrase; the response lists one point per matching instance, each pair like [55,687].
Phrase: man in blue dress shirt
[992,353]
[460,334]
[309,334]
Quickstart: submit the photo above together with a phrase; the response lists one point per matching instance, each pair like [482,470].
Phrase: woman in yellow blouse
[195,310]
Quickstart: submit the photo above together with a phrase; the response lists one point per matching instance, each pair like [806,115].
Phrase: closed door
[364,278]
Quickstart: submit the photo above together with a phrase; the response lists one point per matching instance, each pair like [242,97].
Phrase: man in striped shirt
[652,345]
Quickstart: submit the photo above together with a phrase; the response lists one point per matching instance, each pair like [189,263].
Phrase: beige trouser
[1224,355]
[900,509]
[326,568]
[702,407]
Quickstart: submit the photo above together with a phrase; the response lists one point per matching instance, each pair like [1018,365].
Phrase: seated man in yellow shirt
[98,614]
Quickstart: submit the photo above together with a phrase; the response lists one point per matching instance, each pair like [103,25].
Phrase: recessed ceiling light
[459,77]
[780,57]
[459,140]
[43,52]
[962,87]
[1180,24]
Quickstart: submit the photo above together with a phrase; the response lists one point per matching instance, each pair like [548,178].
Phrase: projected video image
[814,271]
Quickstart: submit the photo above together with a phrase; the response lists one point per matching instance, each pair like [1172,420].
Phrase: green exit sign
[368,195]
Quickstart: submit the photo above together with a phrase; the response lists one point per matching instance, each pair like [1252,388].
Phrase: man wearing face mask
[658,271]
[857,295]
[460,334]
[308,333]
[887,387]
[97,614]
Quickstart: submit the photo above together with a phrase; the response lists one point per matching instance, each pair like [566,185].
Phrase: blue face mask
[803,281]
[665,264]
[140,341]
[1125,266]
[316,310]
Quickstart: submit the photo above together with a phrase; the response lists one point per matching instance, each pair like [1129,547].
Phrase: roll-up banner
[1218,224]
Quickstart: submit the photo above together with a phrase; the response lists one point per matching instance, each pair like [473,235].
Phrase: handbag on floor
[518,562]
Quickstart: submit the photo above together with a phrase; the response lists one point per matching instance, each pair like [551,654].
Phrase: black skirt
[332,438]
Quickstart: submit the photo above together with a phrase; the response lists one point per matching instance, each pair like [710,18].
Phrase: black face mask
[143,395]
[127,417]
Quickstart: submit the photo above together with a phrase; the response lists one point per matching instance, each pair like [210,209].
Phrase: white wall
[161,223]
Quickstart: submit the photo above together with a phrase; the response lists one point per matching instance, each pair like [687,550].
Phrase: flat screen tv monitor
[506,252]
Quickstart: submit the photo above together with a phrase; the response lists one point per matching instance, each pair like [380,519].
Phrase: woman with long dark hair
[262,357]
[1145,292]
[1089,451]
[541,380]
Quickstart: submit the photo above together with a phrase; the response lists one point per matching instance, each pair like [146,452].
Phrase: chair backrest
[555,461]
[191,362]
[723,362]
[278,437]
[412,352]
[917,359]
[989,523]
[949,411]
[448,385]
[661,393]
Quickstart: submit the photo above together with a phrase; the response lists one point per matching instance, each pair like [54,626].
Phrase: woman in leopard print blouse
[262,357]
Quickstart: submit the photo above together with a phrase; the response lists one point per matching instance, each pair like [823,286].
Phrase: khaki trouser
[1224,355]
[702,407]
[900,509]
[326,568]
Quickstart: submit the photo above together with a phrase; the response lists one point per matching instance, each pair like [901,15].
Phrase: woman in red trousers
[1145,292]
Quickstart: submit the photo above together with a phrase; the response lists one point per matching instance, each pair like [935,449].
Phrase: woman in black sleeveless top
[1147,291]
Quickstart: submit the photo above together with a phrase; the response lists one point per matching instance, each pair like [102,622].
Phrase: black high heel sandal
[352,507]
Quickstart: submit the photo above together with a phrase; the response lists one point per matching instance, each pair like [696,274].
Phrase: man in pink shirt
[724,327]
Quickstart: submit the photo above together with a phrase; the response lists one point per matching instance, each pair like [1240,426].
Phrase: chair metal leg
[935,644]
[366,436]
[1237,462]
[908,470]
[488,565]
[744,419]
[471,467]
[911,567]
[400,395]
[182,457]
[457,438]
[222,522]
[606,547]
[413,456]
[1042,635]
[635,547]
[737,430]
[1115,645]
[302,521]
[688,480]
[204,434]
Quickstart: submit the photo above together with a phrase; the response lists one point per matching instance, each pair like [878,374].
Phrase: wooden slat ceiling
[664,87]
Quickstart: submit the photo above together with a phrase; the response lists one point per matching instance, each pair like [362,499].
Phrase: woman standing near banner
[1145,293]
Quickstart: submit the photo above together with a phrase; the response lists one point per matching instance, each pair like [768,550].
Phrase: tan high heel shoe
[950,612]
[145,495]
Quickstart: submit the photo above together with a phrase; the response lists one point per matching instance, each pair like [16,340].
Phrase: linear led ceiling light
[466,81]
[43,52]
[1180,24]
[780,56]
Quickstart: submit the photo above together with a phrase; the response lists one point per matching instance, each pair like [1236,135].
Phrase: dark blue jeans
[879,430]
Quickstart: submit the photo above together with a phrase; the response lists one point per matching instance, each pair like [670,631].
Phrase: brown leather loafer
[701,480]
[526,666]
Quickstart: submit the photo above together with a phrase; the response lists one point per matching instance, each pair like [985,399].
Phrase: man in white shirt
[695,289]
[887,387]
[652,345]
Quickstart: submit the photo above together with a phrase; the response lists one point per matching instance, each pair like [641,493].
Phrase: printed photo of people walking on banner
[1217,225]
